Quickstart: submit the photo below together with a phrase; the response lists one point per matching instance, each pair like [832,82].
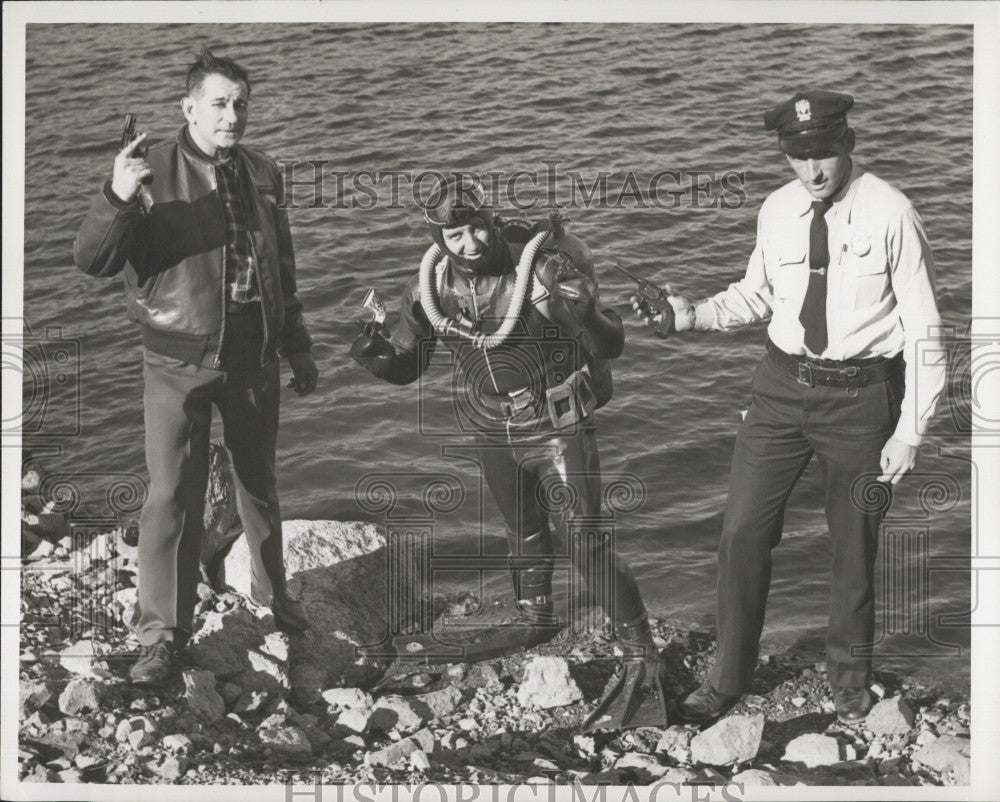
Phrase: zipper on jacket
[222,327]
[475,311]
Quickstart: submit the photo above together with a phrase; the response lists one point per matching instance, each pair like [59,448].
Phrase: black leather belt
[851,373]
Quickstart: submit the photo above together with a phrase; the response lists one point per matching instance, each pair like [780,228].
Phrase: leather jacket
[172,256]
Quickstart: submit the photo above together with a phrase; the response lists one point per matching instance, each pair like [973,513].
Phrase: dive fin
[635,700]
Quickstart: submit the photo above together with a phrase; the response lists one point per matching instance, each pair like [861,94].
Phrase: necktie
[813,313]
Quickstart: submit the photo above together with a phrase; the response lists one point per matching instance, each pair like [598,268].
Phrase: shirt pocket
[868,272]
[790,274]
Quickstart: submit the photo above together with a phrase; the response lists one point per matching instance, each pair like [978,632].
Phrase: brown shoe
[852,704]
[154,666]
[289,614]
[705,704]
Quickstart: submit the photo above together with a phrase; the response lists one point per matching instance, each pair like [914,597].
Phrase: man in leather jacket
[195,227]
[529,399]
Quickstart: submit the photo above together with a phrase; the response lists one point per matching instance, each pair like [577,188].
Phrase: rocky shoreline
[252,706]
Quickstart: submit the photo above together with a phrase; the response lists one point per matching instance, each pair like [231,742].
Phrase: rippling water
[500,97]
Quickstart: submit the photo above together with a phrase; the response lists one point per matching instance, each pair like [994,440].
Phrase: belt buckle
[805,374]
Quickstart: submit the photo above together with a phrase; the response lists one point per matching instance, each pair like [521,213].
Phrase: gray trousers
[178,399]
[787,424]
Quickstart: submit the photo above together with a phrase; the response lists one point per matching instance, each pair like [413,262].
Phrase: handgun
[656,298]
[129,133]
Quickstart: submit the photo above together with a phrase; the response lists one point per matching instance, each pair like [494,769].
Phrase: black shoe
[705,704]
[154,666]
[852,704]
[289,614]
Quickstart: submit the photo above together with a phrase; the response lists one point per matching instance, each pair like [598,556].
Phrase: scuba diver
[517,305]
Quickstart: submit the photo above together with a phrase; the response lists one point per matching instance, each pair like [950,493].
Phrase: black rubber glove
[372,342]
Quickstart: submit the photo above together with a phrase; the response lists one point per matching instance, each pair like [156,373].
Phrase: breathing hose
[445,325]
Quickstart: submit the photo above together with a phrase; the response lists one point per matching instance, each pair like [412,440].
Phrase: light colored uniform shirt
[880,286]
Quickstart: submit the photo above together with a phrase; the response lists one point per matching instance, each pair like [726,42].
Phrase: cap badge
[802,110]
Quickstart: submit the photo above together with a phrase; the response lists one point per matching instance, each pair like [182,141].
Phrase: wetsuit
[534,468]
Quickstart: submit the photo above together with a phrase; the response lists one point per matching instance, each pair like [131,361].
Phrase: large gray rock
[339,571]
[396,753]
[286,741]
[442,703]
[890,717]
[398,713]
[83,695]
[947,753]
[731,740]
[547,683]
[344,698]
[223,642]
[813,749]
[201,696]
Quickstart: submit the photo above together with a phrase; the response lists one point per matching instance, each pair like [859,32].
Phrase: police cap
[813,119]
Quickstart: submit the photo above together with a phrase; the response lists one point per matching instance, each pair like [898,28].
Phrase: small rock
[419,761]
[230,692]
[276,645]
[850,752]
[83,696]
[798,701]
[177,743]
[172,768]
[422,740]
[398,713]
[251,702]
[547,683]
[202,698]
[813,750]
[878,690]
[442,703]
[754,777]
[355,720]
[136,724]
[83,658]
[890,717]
[286,741]
[676,743]
[32,696]
[645,768]
[347,698]
[585,745]
[482,675]
[876,749]
[733,739]
[468,724]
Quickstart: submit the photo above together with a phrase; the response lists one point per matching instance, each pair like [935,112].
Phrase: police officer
[843,270]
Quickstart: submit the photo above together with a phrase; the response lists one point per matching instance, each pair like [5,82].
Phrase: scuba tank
[517,233]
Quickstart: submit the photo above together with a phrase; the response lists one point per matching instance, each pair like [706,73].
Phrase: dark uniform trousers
[786,424]
[178,399]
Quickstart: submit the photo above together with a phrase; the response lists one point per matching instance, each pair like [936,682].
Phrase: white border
[986,303]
